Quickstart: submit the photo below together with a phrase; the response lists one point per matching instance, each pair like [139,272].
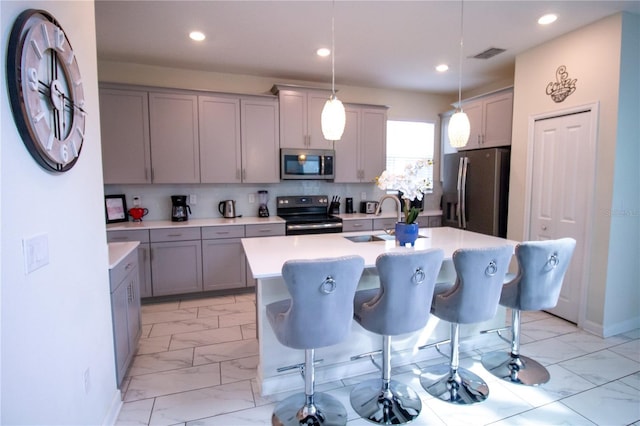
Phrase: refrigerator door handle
[459,193]
[463,190]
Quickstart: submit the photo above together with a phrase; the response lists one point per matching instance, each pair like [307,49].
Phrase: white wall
[593,56]
[622,310]
[403,106]
[56,321]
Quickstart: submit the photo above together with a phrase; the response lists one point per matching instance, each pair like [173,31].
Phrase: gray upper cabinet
[175,151]
[300,111]
[260,140]
[220,143]
[346,162]
[238,139]
[124,126]
[490,119]
[361,153]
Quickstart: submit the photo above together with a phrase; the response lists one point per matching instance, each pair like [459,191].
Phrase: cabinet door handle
[357,225]
[244,174]
[127,266]
[265,230]
[174,235]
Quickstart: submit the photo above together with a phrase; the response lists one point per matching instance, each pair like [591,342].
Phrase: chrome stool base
[396,405]
[515,369]
[326,410]
[462,387]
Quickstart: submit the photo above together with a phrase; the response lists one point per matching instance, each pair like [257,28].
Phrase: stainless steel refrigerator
[476,190]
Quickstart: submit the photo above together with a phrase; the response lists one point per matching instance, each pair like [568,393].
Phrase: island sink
[368,238]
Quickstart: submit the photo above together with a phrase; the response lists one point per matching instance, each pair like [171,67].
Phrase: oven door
[313,228]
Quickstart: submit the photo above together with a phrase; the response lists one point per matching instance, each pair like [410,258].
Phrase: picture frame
[115,207]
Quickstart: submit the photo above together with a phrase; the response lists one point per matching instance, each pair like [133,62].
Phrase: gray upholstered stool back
[402,303]
[475,294]
[320,311]
[541,269]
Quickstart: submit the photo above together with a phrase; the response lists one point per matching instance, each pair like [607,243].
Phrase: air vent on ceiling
[489,53]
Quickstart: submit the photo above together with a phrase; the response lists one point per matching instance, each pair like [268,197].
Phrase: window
[408,141]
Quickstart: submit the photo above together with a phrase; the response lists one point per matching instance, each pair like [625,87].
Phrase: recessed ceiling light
[196,36]
[547,19]
[442,68]
[323,51]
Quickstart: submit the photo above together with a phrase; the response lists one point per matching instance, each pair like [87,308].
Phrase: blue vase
[406,234]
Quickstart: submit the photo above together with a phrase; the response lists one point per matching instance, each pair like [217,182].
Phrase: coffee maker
[263,210]
[180,210]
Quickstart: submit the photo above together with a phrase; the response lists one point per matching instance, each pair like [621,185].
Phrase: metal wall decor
[562,87]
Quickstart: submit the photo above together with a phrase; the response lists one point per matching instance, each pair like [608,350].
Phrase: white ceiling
[386,44]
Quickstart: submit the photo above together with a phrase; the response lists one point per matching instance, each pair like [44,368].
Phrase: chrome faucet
[394,198]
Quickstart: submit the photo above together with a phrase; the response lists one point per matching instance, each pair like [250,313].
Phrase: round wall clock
[45,90]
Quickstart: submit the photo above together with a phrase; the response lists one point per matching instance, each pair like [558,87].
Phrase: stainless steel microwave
[306,163]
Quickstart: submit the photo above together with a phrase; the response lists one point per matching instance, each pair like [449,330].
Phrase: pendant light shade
[333,116]
[459,129]
[333,119]
[459,126]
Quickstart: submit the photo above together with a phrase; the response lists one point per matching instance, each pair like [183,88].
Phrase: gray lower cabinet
[191,259]
[176,261]
[357,225]
[125,310]
[382,224]
[223,259]
[144,255]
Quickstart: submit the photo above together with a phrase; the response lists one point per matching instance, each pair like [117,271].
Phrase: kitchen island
[266,257]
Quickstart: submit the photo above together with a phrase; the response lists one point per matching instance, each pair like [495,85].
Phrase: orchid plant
[409,183]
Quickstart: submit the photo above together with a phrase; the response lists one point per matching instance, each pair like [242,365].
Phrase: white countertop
[249,220]
[267,255]
[118,251]
[191,223]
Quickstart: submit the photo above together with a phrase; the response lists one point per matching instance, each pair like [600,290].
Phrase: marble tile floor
[197,358]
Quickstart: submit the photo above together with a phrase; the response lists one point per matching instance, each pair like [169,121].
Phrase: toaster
[368,207]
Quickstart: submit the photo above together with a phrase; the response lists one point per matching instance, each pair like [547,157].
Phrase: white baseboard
[611,329]
[621,327]
[114,409]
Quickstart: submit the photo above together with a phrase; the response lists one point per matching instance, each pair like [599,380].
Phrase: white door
[563,176]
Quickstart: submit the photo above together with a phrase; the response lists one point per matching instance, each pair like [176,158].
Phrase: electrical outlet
[87,380]
[136,201]
[252,198]
[363,195]
[193,199]
[36,252]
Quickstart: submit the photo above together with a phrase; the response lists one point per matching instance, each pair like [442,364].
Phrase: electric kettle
[227,208]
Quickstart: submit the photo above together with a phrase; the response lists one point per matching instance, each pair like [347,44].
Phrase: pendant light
[459,126]
[333,116]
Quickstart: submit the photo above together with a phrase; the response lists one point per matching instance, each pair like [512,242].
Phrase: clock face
[46,92]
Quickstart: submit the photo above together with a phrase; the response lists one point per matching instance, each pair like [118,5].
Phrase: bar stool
[399,306]
[541,269]
[472,299]
[319,314]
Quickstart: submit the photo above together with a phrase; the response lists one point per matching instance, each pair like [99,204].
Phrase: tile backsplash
[157,199]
